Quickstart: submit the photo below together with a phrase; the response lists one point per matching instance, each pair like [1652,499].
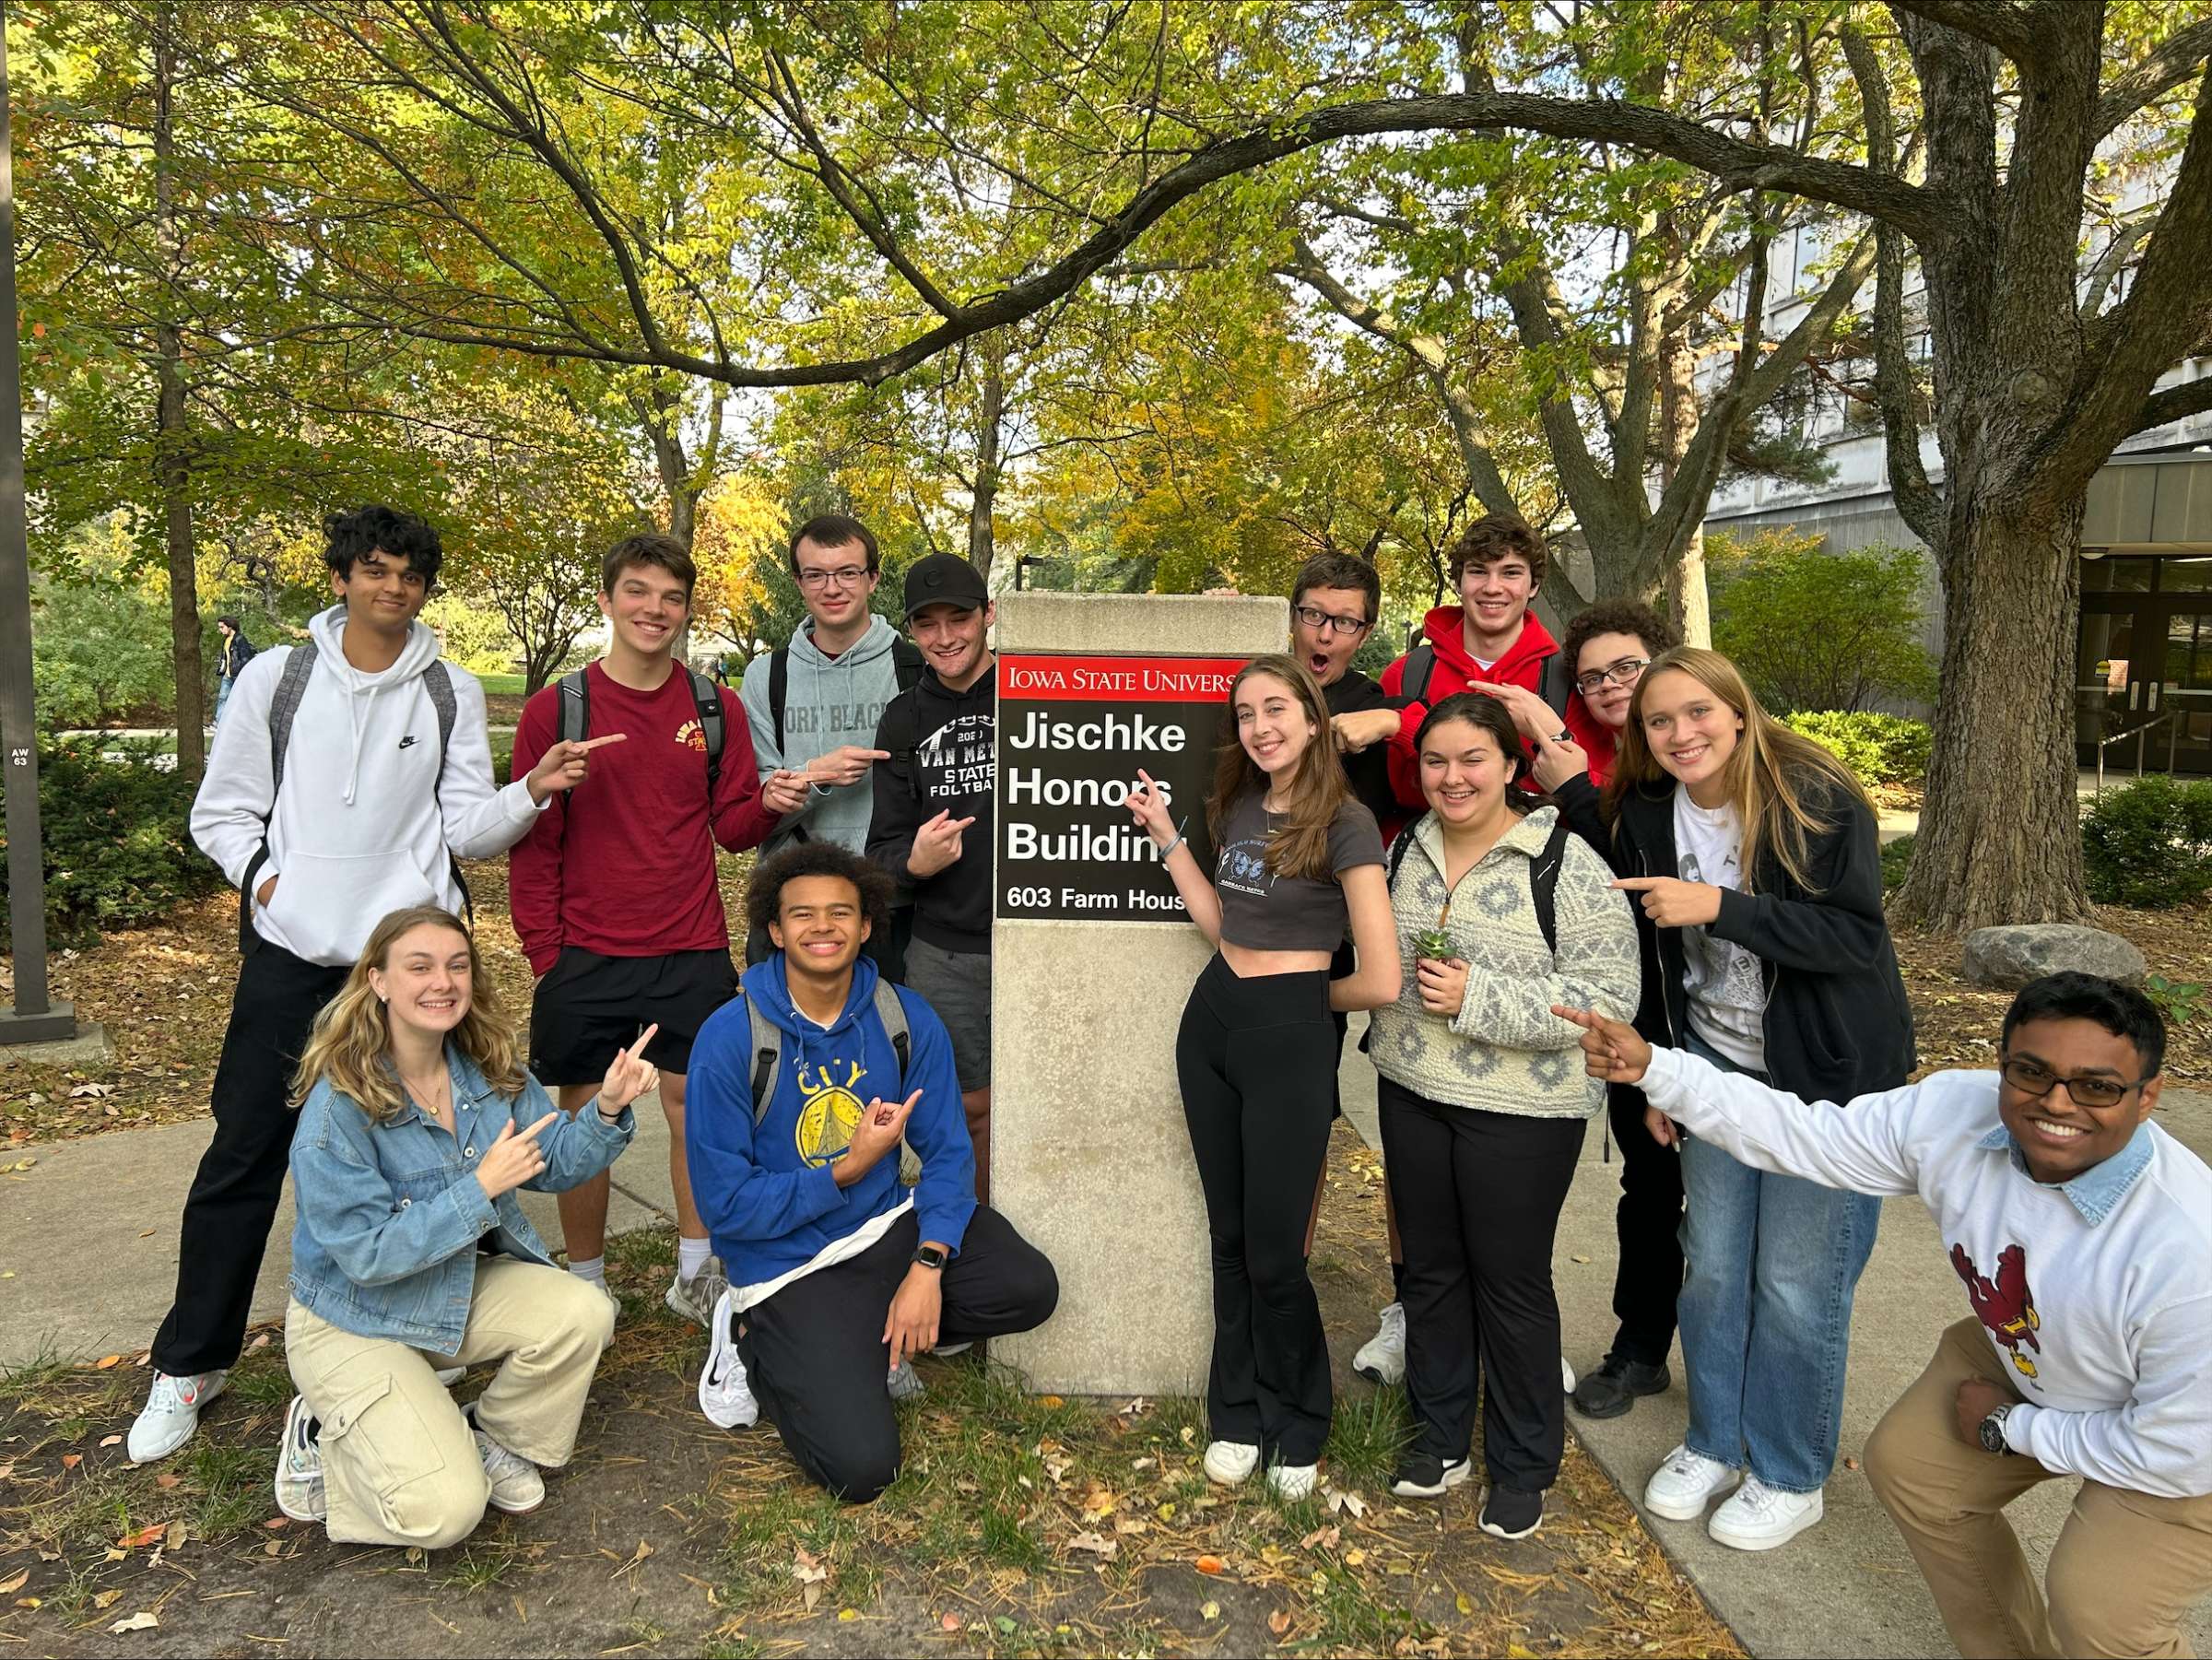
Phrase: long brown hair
[1765,776]
[351,1043]
[1317,791]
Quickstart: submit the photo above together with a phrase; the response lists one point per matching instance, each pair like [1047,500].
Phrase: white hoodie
[364,823]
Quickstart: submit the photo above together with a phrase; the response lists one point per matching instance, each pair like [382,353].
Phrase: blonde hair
[1316,792]
[1765,777]
[351,1043]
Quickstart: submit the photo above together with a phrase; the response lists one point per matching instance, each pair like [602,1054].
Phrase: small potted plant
[1432,945]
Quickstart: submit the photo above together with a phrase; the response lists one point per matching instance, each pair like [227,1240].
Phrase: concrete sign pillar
[1092,958]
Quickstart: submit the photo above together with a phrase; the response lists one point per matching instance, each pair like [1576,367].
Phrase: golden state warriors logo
[827,1121]
[692,737]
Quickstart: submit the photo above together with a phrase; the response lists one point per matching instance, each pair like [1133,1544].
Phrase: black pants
[1649,1222]
[1479,1196]
[233,1197]
[1255,1059]
[816,1357]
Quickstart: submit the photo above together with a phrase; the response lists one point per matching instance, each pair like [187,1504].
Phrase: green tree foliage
[1815,631]
[100,654]
[2149,844]
[117,846]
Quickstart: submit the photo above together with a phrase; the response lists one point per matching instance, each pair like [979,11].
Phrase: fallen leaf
[176,1536]
[9,1587]
[103,1601]
[1324,1536]
[1851,1464]
[1352,1559]
[1279,1622]
[1209,1611]
[1210,1564]
[144,1536]
[1464,1604]
[260,1342]
[1097,1542]
[1049,1402]
[806,1568]
[845,1614]
[810,1596]
[111,1440]
[1352,1504]
[140,1621]
[276,1524]
[94,1090]
[270,1548]
[71,1460]
[951,1623]
[636,1556]
[166,1480]
[1581,1259]
[101,1365]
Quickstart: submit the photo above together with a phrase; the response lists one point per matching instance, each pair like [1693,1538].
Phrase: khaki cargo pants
[399,1463]
[2126,1573]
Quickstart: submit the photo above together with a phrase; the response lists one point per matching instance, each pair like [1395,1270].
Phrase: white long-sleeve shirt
[365,819]
[2095,1294]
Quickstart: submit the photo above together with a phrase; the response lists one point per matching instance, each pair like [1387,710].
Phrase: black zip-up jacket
[1837,1023]
[943,749]
[1368,771]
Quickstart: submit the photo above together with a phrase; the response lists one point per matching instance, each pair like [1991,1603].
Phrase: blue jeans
[222,696]
[1766,1310]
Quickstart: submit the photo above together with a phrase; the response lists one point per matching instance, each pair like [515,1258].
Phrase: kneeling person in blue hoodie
[837,1272]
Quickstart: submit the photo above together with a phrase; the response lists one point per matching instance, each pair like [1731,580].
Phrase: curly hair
[764,898]
[348,538]
[1496,536]
[1617,616]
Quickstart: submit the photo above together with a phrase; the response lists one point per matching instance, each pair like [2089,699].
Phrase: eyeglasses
[2034,1079]
[1321,621]
[845,576]
[1623,672]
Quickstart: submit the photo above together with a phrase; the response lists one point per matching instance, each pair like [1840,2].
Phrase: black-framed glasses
[845,576]
[1315,618]
[1623,672]
[2033,1079]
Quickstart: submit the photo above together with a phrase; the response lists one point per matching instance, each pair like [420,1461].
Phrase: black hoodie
[1837,1023]
[943,749]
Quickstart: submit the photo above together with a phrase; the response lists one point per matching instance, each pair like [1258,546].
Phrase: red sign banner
[1037,679]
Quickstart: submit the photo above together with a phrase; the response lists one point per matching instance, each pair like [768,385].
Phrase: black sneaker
[1612,1389]
[1508,1514]
[1425,1476]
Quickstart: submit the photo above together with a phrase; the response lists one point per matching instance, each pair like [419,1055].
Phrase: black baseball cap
[945,578]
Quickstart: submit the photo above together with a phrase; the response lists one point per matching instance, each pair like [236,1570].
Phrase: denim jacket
[389,1216]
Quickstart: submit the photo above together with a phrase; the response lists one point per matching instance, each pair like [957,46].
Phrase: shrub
[1820,631]
[1896,863]
[1880,749]
[2148,843]
[99,651]
[117,849]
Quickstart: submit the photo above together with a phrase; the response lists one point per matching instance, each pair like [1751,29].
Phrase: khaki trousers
[399,1463]
[2126,1573]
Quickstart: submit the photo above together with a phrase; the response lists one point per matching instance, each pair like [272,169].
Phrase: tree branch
[2191,397]
[2010,29]
[2174,60]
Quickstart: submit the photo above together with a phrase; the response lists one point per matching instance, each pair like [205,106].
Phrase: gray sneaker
[905,1383]
[694,1299]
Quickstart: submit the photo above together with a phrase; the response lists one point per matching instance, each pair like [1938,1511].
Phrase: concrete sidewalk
[88,1233]
[1847,1587]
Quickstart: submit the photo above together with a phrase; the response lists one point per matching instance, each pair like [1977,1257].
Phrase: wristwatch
[932,1256]
[1563,736]
[1992,1428]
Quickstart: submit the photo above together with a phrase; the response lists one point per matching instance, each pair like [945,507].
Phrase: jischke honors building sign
[1073,731]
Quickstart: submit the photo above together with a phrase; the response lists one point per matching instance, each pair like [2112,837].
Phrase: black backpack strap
[1420,665]
[1544,883]
[768,1050]
[906,666]
[1557,683]
[779,688]
[706,698]
[1396,856]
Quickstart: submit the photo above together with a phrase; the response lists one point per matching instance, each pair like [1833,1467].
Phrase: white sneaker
[171,1413]
[448,1376]
[724,1396]
[1293,1481]
[300,1467]
[516,1486]
[1382,1359]
[1758,1517]
[1566,1375]
[1230,1463]
[1685,1484]
[944,1352]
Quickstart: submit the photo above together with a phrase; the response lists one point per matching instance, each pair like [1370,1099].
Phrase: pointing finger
[1639,884]
[540,1124]
[637,1050]
[1585,1018]
[593,742]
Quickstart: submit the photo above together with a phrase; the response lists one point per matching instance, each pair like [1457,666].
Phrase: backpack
[1552,686]
[768,1053]
[1543,876]
[284,707]
[906,667]
[575,723]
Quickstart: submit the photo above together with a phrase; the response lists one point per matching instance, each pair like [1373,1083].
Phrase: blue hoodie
[769,1197]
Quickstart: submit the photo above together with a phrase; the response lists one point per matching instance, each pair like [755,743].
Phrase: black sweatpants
[1649,1223]
[1479,1196]
[1256,1061]
[816,1357]
[233,1197]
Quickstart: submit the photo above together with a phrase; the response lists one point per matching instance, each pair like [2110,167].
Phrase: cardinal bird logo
[2006,1305]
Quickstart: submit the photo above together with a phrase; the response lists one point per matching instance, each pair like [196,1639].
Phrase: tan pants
[2126,1573]
[399,1463]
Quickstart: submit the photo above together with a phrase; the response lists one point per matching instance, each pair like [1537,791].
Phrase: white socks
[692,1256]
[592,1268]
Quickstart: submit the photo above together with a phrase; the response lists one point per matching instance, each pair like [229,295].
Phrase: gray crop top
[1263,912]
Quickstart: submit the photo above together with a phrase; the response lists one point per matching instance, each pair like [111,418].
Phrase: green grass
[1366,1436]
[502,686]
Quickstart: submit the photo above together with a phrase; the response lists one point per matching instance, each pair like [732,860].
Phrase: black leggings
[1256,1062]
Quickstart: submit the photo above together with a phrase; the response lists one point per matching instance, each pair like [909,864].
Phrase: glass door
[2184,690]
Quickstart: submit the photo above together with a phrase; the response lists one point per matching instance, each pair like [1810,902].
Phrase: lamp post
[32,1020]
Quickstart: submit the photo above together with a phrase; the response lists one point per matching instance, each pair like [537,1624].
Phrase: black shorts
[588,1005]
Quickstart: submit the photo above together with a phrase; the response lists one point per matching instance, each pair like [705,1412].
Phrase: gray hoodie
[829,701]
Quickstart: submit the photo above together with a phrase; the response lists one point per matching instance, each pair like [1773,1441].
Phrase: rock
[2008,957]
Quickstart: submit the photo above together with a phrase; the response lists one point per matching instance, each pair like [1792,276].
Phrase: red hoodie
[1599,741]
[1455,671]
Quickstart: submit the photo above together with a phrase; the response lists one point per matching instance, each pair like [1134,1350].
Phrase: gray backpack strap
[767,1051]
[290,688]
[892,1013]
[1420,664]
[440,685]
[574,723]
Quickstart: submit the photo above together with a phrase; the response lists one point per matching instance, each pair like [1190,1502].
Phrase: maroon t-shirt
[624,864]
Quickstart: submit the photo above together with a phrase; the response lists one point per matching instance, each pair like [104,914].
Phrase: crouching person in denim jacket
[411,1253]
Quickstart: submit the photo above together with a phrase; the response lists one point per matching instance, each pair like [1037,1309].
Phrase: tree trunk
[1677,425]
[2000,841]
[982,501]
[172,437]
